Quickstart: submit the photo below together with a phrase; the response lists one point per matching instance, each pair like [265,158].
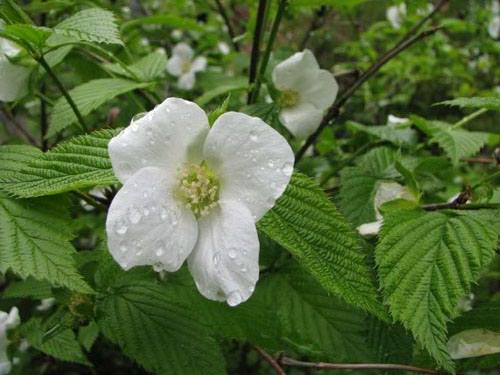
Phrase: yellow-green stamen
[289,98]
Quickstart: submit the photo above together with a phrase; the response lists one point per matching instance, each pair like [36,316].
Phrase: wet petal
[175,65]
[199,64]
[320,89]
[187,81]
[288,73]
[301,120]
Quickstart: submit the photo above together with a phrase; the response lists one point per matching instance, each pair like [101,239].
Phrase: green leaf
[488,102]
[146,69]
[14,157]
[427,262]
[308,225]
[311,320]
[62,346]
[174,22]
[88,334]
[27,35]
[160,334]
[29,288]
[389,343]
[399,134]
[91,25]
[88,97]
[220,110]
[80,163]
[484,316]
[459,143]
[209,95]
[34,241]
[11,13]
[359,184]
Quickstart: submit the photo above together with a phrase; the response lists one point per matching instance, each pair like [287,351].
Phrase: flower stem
[257,37]
[470,117]
[65,93]
[265,58]
[230,28]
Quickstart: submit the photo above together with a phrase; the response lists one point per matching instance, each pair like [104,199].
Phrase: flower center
[289,98]
[198,187]
[185,66]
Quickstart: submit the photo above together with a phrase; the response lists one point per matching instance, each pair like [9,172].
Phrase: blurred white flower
[7,322]
[182,64]
[394,120]
[465,303]
[306,92]
[194,192]
[474,343]
[176,34]
[386,192]
[494,25]
[223,48]
[14,78]
[395,15]
[46,304]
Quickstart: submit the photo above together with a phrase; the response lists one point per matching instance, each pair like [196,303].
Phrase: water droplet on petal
[160,248]
[270,163]
[123,247]
[234,298]
[216,259]
[244,269]
[253,136]
[134,215]
[251,288]
[163,213]
[232,253]
[145,211]
[158,267]
[287,169]
[121,227]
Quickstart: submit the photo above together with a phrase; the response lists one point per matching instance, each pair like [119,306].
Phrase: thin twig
[469,118]
[60,86]
[317,22]
[334,110]
[229,25]
[453,206]
[257,37]
[275,365]
[285,361]
[90,200]
[254,93]
[480,160]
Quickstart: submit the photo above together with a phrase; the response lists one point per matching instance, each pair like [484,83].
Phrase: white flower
[386,192]
[195,193]
[395,15]
[14,78]
[306,92]
[494,25]
[7,321]
[394,120]
[474,343]
[46,304]
[223,48]
[182,65]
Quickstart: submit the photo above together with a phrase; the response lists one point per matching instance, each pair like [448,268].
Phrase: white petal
[394,120]
[370,229]
[474,343]
[319,88]
[187,81]
[175,65]
[199,64]
[301,120]
[184,51]
[146,225]
[494,27]
[14,80]
[389,191]
[292,70]
[253,161]
[8,48]
[395,15]
[225,260]
[166,137]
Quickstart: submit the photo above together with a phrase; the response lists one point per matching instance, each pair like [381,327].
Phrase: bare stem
[454,206]
[275,365]
[285,361]
[469,118]
[257,37]
[229,25]
[334,110]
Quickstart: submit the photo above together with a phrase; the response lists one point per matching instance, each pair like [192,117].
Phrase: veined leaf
[459,143]
[14,157]
[427,261]
[484,316]
[34,241]
[88,97]
[488,102]
[29,288]
[80,163]
[146,69]
[91,25]
[308,225]
[11,13]
[160,334]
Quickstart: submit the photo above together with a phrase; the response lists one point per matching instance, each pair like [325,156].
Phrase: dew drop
[158,267]
[251,288]
[287,169]
[123,247]
[253,136]
[216,259]
[145,211]
[244,269]
[232,254]
[160,248]
[234,298]
[270,163]
[121,227]
[134,215]
[163,213]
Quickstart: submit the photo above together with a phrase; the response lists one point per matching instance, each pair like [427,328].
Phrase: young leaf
[88,334]
[459,143]
[308,225]
[488,102]
[147,69]
[82,162]
[427,261]
[91,25]
[160,334]
[87,98]
[34,241]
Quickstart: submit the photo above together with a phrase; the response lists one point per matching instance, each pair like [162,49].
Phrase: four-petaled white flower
[306,92]
[195,193]
[14,78]
[395,15]
[7,321]
[182,65]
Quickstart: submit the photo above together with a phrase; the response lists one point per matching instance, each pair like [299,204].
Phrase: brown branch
[285,361]
[334,110]
[454,206]
[275,365]
[229,26]
[480,160]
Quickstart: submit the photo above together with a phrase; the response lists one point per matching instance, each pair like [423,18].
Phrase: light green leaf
[146,69]
[308,225]
[484,316]
[208,96]
[35,241]
[398,134]
[488,102]
[80,163]
[11,13]
[88,334]
[29,288]
[27,35]
[427,262]
[160,334]
[14,157]
[88,97]
[459,143]
[62,346]
[91,25]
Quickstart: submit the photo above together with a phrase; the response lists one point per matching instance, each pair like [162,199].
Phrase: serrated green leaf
[11,13]
[62,346]
[146,69]
[14,157]
[389,343]
[27,35]
[488,102]
[34,241]
[80,163]
[398,134]
[91,25]
[308,225]
[88,97]
[485,316]
[29,288]
[427,261]
[459,143]
[88,334]
[160,334]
